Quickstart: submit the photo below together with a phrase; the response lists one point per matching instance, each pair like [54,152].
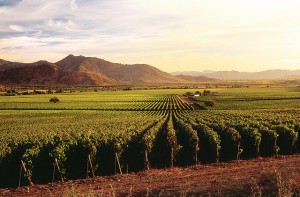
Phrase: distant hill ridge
[81,70]
[195,78]
[276,74]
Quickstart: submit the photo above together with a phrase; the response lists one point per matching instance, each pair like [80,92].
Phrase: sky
[172,35]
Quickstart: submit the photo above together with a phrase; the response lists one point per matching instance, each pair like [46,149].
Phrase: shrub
[206,92]
[11,91]
[38,92]
[189,93]
[198,93]
[210,103]
[54,99]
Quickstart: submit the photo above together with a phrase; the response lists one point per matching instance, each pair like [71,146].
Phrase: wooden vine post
[196,157]
[91,166]
[146,164]
[217,154]
[58,169]
[238,152]
[26,173]
[119,165]
[172,158]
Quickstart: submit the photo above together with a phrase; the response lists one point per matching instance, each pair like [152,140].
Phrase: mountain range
[80,70]
[277,74]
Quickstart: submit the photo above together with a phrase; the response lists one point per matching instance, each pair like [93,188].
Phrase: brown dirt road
[236,178]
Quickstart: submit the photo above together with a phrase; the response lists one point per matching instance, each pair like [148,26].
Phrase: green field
[254,98]
[141,129]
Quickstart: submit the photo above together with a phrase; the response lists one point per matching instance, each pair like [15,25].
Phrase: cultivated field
[109,132]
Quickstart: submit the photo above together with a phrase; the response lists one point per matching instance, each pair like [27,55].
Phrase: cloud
[163,33]
[73,4]
[61,24]
[9,2]
[17,28]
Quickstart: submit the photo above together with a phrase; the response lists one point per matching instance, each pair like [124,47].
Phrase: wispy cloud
[61,24]
[170,34]
[4,3]
[17,28]
[73,5]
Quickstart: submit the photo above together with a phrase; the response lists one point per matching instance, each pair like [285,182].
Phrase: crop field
[254,98]
[108,132]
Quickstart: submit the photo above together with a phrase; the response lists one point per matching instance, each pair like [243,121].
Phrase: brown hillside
[49,74]
[196,78]
[6,65]
[137,73]
[142,73]
[46,73]
[83,78]
[80,70]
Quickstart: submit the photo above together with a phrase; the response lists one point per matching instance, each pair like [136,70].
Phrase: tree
[198,93]
[54,100]
[189,93]
[206,92]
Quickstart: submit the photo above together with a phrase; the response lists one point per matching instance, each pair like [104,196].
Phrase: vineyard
[102,133]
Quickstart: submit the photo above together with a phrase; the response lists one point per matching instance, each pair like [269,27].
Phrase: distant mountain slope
[191,73]
[143,73]
[46,73]
[80,70]
[291,77]
[195,78]
[136,73]
[49,74]
[4,65]
[235,75]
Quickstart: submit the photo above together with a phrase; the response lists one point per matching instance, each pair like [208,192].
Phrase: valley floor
[277,176]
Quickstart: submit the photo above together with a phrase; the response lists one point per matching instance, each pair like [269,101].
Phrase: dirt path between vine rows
[190,101]
[236,178]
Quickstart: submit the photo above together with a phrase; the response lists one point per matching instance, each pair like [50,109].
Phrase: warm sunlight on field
[149,98]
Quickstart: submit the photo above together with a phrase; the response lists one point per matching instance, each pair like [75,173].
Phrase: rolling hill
[80,70]
[136,73]
[27,74]
[5,65]
[196,78]
[277,74]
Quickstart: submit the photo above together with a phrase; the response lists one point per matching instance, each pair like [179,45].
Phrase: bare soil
[190,101]
[269,176]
